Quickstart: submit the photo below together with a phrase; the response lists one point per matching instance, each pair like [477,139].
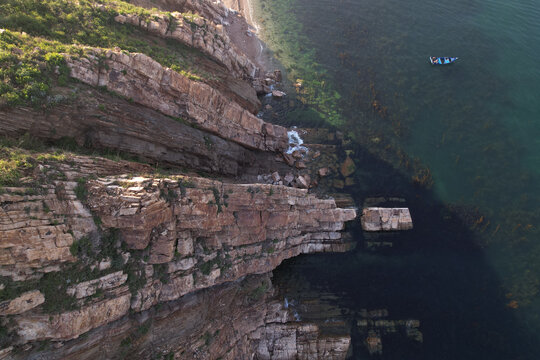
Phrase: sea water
[470,270]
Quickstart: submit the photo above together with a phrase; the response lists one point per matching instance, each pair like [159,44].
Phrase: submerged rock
[348,167]
[278,94]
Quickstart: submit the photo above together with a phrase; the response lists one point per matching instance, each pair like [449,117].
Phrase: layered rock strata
[214,10]
[373,326]
[386,219]
[200,33]
[227,230]
[102,121]
[181,234]
[144,81]
[234,321]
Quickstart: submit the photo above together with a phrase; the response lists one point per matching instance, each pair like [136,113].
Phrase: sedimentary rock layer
[144,81]
[102,121]
[234,321]
[182,234]
[200,33]
[386,219]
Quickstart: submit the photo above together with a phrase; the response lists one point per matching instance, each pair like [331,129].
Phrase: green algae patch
[285,36]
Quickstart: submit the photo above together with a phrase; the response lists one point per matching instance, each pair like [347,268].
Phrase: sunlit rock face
[181,234]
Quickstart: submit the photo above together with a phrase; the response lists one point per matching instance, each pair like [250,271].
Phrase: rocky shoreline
[108,258]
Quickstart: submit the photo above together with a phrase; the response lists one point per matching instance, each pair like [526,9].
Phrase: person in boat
[435,60]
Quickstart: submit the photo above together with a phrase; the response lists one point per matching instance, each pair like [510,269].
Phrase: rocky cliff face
[216,11]
[172,236]
[104,258]
[237,320]
[200,33]
[144,81]
[99,120]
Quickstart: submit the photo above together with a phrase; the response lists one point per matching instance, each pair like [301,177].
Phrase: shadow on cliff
[435,273]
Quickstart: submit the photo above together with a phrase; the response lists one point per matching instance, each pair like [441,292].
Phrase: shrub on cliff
[30,65]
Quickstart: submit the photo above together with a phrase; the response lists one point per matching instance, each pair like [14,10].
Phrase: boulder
[386,219]
[347,167]
[302,182]
[278,94]
[22,303]
[324,172]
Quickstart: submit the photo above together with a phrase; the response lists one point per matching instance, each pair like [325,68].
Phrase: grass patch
[217,197]
[258,292]
[16,163]
[80,190]
[160,271]
[31,64]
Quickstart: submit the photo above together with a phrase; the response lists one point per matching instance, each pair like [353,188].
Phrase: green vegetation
[29,67]
[160,271]
[207,338]
[293,49]
[80,190]
[184,184]
[208,142]
[218,199]
[17,163]
[81,246]
[135,271]
[31,64]
[258,292]
[207,267]
[169,195]
[53,285]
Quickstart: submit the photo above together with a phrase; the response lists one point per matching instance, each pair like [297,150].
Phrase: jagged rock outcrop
[227,230]
[38,225]
[102,121]
[144,81]
[22,303]
[200,33]
[181,234]
[299,341]
[36,229]
[386,219]
[71,324]
[373,326]
[214,10]
[234,321]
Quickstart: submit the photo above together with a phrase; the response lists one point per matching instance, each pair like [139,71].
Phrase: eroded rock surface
[103,121]
[146,82]
[22,303]
[180,234]
[234,321]
[198,32]
[386,219]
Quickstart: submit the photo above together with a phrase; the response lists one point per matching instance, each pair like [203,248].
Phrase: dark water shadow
[435,273]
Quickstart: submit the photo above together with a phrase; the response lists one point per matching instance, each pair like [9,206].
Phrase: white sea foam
[295,142]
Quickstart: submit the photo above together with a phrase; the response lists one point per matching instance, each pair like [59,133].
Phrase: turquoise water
[475,125]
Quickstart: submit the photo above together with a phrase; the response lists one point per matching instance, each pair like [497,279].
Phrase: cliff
[144,81]
[131,222]
[136,242]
